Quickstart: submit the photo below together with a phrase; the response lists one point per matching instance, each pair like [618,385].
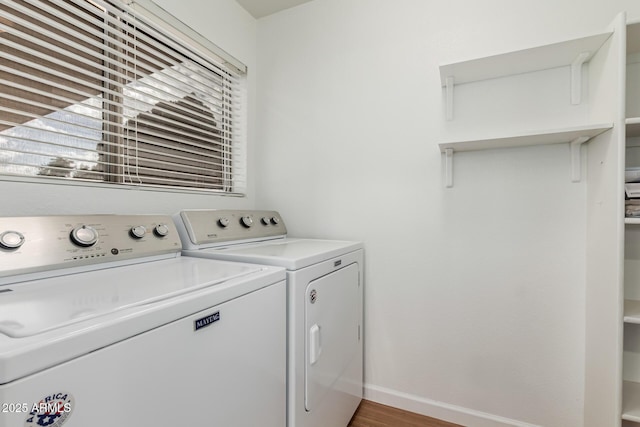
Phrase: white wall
[475,295]
[226,24]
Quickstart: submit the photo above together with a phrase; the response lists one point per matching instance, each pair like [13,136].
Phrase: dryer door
[332,339]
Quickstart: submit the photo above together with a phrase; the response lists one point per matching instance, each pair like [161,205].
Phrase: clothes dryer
[324,305]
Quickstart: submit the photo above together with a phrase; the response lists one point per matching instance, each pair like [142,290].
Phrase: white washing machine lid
[290,253]
[47,321]
[39,306]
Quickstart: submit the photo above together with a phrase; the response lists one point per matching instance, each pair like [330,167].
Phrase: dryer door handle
[315,344]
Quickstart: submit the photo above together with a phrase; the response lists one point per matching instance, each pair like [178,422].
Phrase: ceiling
[260,8]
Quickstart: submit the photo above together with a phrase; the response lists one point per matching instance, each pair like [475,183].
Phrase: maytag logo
[203,322]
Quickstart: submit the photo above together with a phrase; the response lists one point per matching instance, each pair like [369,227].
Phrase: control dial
[275,220]
[161,230]
[84,236]
[11,240]
[265,220]
[138,231]
[246,221]
[224,222]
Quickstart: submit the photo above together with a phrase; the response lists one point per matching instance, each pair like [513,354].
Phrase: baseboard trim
[443,411]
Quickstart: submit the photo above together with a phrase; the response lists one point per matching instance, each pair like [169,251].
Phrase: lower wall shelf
[633,127]
[544,137]
[631,401]
[576,136]
[631,311]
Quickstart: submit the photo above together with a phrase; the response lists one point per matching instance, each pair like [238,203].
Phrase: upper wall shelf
[572,53]
[522,61]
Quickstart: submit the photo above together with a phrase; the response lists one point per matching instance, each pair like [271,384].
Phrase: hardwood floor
[371,414]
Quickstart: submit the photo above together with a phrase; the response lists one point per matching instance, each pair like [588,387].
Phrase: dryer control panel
[210,227]
[45,243]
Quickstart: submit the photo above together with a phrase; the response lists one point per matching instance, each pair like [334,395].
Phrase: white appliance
[324,305]
[104,323]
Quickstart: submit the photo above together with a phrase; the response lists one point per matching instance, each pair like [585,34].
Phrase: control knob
[84,236]
[246,221]
[11,240]
[223,222]
[138,231]
[265,220]
[275,220]
[161,230]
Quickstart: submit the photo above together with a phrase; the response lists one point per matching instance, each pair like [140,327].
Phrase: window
[98,91]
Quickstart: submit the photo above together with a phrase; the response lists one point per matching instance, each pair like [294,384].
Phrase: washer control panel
[205,227]
[35,244]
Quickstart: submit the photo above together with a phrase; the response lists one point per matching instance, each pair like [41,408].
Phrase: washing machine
[104,323]
[324,305]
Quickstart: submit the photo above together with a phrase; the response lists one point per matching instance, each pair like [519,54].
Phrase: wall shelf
[544,137]
[633,38]
[571,53]
[635,221]
[632,313]
[521,61]
[576,136]
[631,401]
[633,127]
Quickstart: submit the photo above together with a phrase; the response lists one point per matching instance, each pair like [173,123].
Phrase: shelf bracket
[449,97]
[576,77]
[576,164]
[448,167]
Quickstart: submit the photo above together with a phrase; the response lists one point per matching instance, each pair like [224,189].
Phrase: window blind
[91,90]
